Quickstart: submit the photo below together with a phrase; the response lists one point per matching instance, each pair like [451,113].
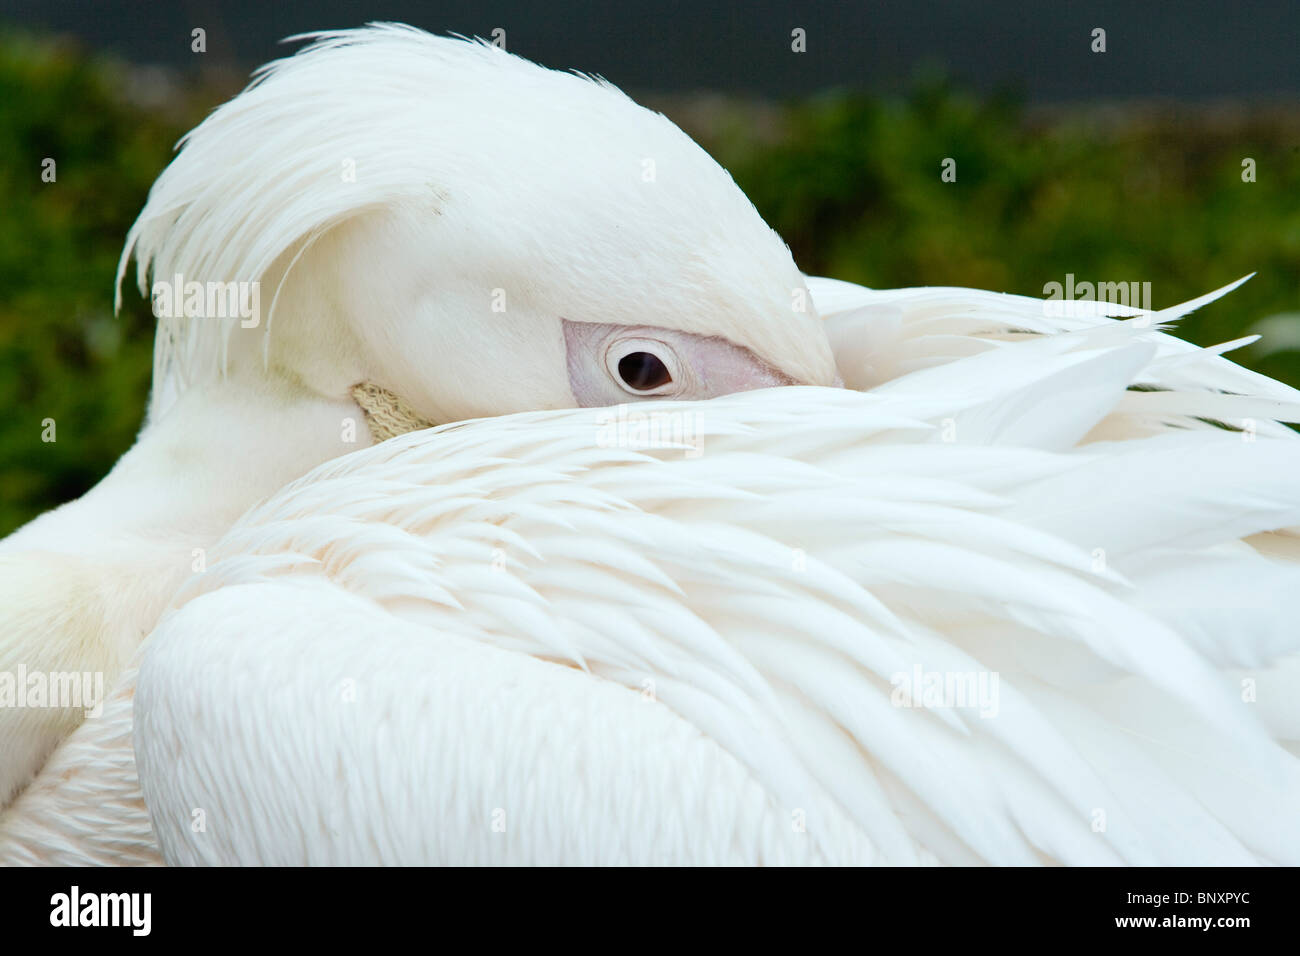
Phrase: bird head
[472,232]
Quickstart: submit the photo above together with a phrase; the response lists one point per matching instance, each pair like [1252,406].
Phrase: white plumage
[989,604]
[1106,584]
[389,211]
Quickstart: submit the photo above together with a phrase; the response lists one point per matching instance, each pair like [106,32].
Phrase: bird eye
[643,371]
[644,367]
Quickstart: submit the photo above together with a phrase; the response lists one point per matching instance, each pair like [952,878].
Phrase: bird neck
[192,472]
[83,585]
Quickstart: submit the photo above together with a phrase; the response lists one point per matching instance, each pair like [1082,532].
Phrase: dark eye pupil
[643,371]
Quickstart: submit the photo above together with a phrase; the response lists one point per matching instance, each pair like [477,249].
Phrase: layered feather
[1101,620]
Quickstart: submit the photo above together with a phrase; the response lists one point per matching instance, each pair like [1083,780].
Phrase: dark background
[1179,48]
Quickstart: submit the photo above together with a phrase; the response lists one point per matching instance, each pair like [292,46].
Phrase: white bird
[428,217]
[1010,597]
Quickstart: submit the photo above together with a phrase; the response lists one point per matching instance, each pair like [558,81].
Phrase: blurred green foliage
[852,182]
[63,354]
[1147,193]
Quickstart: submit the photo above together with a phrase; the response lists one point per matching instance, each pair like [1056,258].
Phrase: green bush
[63,355]
[1150,194]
